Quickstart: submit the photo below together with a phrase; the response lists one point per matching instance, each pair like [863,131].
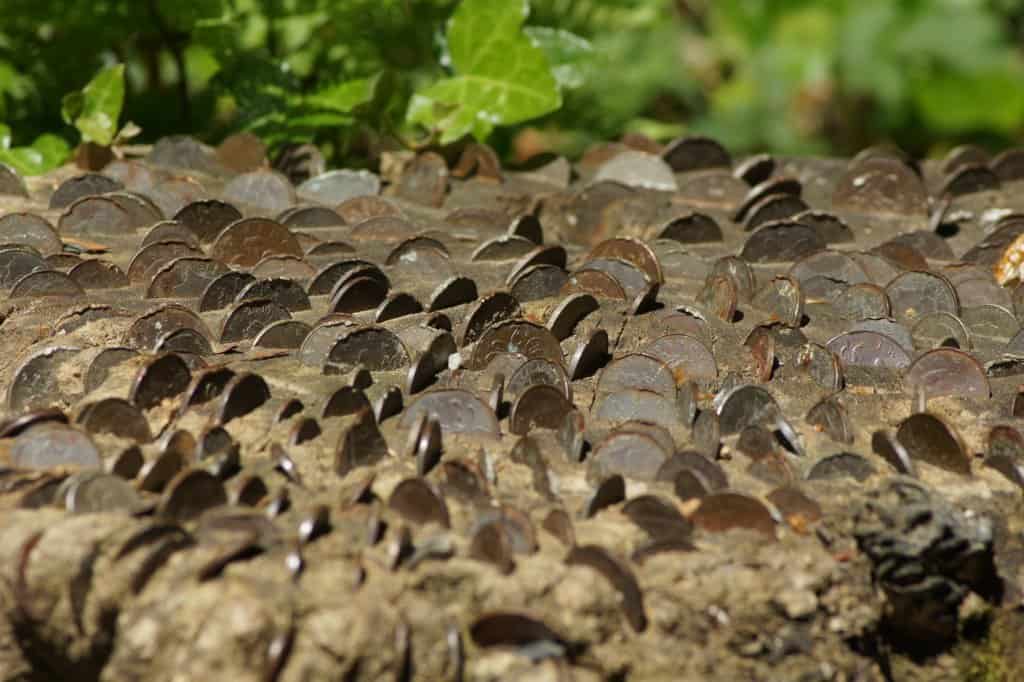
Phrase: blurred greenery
[359,76]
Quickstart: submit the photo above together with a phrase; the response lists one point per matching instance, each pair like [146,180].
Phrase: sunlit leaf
[96,109]
[344,97]
[42,156]
[500,77]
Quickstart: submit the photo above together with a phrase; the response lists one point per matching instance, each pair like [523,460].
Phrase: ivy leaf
[97,107]
[501,77]
[567,53]
[344,97]
[46,153]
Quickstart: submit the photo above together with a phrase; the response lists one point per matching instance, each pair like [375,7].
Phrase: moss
[996,653]
[983,662]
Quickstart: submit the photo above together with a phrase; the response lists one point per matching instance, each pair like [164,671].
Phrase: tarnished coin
[636,404]
[881,185]
[781,241]
[457,411]
[928,438]
[783,300]
[245,242]
[947,371]
[54,445]
[93,491]
[695,153]
[722,511]
[869,349]
[516,336]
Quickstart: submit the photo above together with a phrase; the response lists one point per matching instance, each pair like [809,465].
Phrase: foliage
[95,109]
[359,76]
[799,74]
[45,153]
[500,77]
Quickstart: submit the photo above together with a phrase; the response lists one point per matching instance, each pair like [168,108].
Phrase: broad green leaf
[344,97]
[45,154]
[500,77]
[201,65]
[96,109]
[5,136]
[55,149]
[567,53]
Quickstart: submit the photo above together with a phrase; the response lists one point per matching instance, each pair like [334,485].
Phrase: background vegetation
[356,76]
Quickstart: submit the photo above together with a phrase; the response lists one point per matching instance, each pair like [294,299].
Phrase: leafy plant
[359,76]
[44,154]
[500,76]
[844,73]
[95,109]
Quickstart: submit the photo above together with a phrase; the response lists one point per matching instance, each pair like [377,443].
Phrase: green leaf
[55,149]
[501,78]
[96,109]
[566,52]
[344,97]
[45,154]
[5,136]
